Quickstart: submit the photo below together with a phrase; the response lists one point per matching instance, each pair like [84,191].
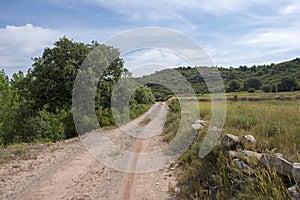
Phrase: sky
[231,32]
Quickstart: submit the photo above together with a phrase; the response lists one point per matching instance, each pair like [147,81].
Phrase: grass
[257,95]
[21,151]
[274,124]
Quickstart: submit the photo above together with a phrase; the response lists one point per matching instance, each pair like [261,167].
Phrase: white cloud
[290,9]
[146,61]
[19,43]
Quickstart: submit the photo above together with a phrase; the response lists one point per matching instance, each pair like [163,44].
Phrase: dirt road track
[66,170]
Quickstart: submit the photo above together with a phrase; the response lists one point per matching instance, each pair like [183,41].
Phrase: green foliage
[247,77]
[252,83]
[172,121]
[251,90]
[269,88]
[288,84]
[234,86]
[9,105]
[45,126]
[143,95]
[38,106]
[53,74]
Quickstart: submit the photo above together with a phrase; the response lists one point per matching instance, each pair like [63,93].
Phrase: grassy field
[276,126]
[256,96]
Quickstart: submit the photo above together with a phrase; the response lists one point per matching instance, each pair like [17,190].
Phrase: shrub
[266,88]
[45,126]
[252,83]
[251,90]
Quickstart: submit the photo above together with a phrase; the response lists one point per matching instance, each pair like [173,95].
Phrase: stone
[201,122]
[232,154]
[293,193]
[296,174]
[248,142]
[230,141]
[243,166]
[251,154]
[278,155]
[249,138]
[281,165]
[197,126]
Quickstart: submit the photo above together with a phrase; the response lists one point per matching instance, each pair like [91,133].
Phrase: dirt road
[67,170]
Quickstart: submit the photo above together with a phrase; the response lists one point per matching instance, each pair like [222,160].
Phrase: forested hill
[283,76]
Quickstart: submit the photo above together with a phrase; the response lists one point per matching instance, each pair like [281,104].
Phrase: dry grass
[275,125]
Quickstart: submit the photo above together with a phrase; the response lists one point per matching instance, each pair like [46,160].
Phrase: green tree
[143,95]
[288,84]
[53,74]
[9,105]
[252,83]
[234,86]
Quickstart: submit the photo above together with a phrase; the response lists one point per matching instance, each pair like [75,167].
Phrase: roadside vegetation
[37,106]
[274,124]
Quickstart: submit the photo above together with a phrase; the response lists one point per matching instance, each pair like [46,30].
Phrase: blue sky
[232,32]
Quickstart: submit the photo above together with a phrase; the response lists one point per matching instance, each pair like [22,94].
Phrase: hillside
[282,77]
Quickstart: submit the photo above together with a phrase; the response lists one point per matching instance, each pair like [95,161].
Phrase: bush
[252,83]
[267,88]
[45,126]
[251,90]
[234,86]
[288,84]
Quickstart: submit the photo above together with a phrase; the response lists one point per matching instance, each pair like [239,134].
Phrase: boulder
[197,126]
[229,141]
[249,138]
[281,165]
[232,154]
[248,142]
[243,166]
[293,193]
[296,174]
[201,122]
[278,155]
[251,154]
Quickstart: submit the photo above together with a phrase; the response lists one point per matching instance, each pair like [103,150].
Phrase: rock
[278,155]
[251,154]
[281,165]
[248,142]
[230,141]
[296,174]
[232,154]
[249,138]
[239,163]
[197,126]
[293,193]
[201,122]
[243,166]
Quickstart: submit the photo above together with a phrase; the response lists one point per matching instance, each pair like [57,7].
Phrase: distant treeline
[280,77]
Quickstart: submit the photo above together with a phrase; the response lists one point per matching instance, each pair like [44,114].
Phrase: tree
[9,104]
[252,83]
[234,86]
[288,84]
[143,95]
[53,74]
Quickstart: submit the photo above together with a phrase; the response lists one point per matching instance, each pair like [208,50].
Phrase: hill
[281,77]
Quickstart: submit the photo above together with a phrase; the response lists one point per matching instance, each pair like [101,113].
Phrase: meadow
[276,126]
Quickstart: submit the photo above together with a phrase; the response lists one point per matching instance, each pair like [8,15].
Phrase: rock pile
[244,149]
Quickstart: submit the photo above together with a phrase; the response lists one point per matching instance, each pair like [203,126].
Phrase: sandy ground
[68,170]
